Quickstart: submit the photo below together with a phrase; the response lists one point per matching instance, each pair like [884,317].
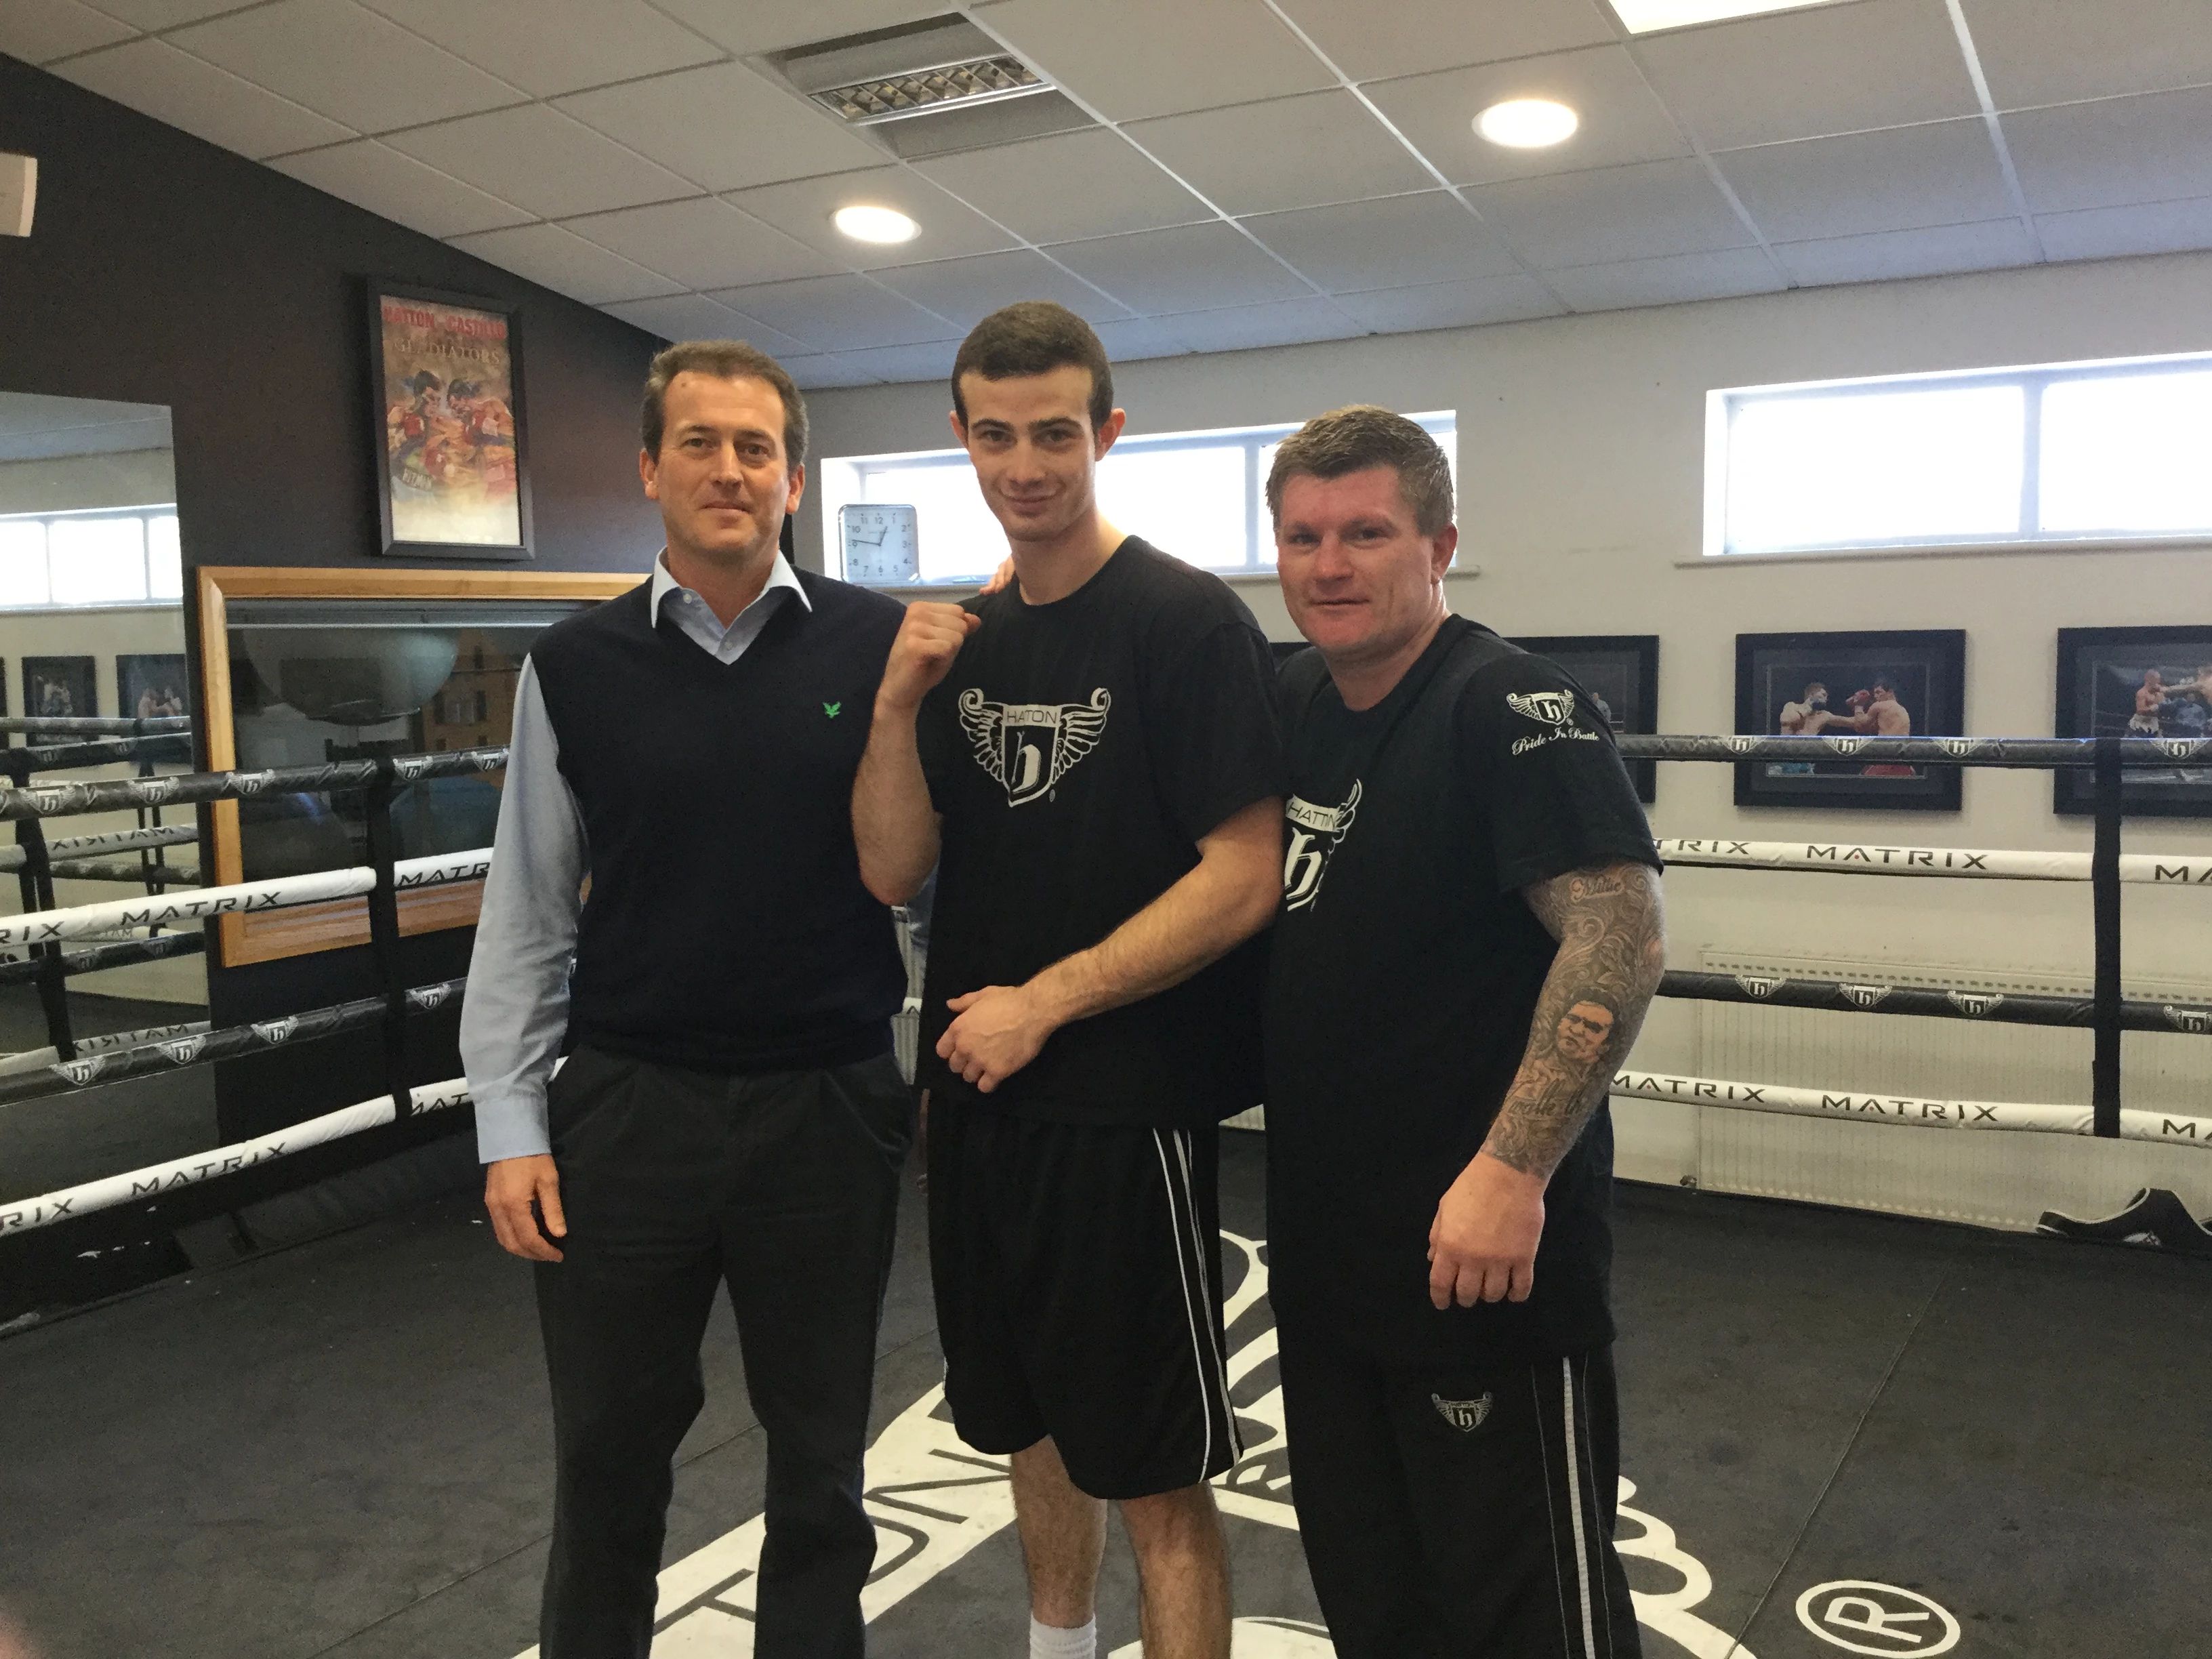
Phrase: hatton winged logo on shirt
[1553,710]
[1315,833]
[1028,747]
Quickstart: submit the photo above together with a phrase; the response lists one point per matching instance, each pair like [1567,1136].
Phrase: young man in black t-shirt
[1091,759]
[1469,937]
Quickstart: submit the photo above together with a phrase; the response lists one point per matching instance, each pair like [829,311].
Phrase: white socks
[1047,1641]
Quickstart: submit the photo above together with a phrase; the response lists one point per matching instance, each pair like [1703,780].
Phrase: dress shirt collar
[780,574]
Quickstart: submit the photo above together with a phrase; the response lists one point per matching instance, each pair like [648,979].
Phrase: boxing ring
[124,931]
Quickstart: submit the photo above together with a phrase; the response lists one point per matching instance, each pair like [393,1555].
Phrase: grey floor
[340,1448]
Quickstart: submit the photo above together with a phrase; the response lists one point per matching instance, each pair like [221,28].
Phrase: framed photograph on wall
[1620,672]
[1846,688]
[452,472]
[2138,683]
[149,685]
[67,687]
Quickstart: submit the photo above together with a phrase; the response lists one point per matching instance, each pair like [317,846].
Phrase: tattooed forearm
[1610,928]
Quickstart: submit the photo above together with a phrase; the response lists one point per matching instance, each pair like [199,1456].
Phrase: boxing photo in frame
[1845,688]
[2148,682]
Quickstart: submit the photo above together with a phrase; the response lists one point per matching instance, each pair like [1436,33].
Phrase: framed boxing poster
[446,379]
[1621,673]
[2138,683]
[1846,688]
[64,687]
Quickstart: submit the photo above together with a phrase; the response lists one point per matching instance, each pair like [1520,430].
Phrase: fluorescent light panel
[1648,16]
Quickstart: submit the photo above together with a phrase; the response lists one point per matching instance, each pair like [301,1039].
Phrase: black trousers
[1450,1515]
[785,1188]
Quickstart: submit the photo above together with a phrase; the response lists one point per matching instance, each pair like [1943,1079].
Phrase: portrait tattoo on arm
[1610,925]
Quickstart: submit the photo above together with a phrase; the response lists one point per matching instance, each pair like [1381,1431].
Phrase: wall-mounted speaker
[19,193]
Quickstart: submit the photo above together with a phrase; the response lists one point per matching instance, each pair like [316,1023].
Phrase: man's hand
[998,1030]
[1001,579]
[921,655]
[1482,1245]
[512,1187]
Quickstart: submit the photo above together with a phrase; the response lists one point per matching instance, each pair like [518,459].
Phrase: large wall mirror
[91,623]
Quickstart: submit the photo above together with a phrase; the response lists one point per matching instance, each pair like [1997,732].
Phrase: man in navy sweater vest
[730,1112]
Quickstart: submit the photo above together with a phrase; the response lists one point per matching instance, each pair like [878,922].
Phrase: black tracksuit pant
[784,1187]
[1456,1514]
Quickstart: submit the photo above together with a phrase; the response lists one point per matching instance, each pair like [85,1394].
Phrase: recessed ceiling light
[1643,17]
[1527,123]
[875,224]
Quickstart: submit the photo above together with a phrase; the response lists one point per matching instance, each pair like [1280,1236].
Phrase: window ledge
[1953,550]
[1234,578]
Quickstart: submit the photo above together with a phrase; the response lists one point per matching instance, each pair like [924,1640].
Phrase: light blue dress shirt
[517,1008]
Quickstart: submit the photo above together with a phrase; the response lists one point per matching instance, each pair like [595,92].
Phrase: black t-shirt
[1077,751]
[1407,967]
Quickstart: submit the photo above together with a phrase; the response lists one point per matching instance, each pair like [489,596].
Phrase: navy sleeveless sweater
[726,929]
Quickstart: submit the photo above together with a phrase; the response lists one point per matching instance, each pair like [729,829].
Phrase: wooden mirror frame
[268,935]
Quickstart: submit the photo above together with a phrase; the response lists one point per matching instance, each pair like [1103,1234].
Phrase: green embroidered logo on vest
[831,708]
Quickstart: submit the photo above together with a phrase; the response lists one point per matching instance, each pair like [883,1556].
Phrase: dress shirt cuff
[511,1122]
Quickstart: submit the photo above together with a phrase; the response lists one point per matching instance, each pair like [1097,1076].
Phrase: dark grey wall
[163,269]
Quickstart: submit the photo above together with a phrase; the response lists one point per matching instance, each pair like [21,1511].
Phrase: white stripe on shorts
[1574,1511]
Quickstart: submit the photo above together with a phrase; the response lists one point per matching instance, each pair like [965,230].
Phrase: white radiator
[1991,1180]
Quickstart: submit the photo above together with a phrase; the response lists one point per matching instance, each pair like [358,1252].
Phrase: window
[2094,452]
[111,556]
[1199,495]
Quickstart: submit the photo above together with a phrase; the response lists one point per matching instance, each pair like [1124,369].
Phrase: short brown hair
[1034,337]
[725,360]
[1358,436]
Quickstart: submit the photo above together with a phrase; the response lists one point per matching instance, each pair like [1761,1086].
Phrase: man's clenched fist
[928,640]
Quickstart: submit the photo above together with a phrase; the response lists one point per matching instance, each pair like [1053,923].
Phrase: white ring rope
[1845,1104]
[1844,858]
[159,1178]
[201,904]
[35,1059]
[118,841]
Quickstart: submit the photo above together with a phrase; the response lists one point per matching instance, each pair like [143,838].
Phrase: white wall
[1581,453]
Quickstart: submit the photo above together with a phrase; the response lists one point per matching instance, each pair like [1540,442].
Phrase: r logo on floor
[1861,1616]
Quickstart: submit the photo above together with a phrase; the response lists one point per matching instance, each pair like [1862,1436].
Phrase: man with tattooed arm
[1470,935]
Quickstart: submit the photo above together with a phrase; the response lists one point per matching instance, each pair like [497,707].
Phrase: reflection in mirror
[91,623]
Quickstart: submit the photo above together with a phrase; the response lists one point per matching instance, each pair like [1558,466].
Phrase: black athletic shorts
[1449,1514]
[1077,1271]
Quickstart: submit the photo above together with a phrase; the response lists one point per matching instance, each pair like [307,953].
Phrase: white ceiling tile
[1025,187]
[702,243]
[1946,174]
[965,291]
[1451,304]
[2115,152]
[1369,42]
[1189,268]
[823,371]
[551,46]
[564,262]
[839,313]
[1140,337]
[2108,232]
[151,14]
[155,79]
[695,316]
[723,127]
[39,31]
[342,60]
[378,178]
[1140,58]
[539,158]
[1285,152]
[1895,253]
[1648,211]
[745,26]
[1278,323]
[1394,242]
[1669,281]
[1803,74]
[801,209]
[899,364]
[2055,52]
[1622,120]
